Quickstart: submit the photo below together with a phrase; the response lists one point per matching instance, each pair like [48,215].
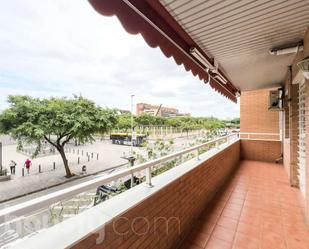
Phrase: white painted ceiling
[240,33]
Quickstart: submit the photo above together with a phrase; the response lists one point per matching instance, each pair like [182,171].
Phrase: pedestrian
[12,167]
[27,165]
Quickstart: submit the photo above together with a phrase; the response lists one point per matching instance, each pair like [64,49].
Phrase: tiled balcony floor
[257,209]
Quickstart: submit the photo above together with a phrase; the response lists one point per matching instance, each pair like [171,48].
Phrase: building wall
[183,199]
[254,114]
[306,54]
[143,107]
[258,150]
[292,134]
[163,111]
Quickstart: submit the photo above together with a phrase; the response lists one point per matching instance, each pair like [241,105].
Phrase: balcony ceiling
[240,33]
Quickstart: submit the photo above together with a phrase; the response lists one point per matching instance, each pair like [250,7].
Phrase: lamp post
[132,128]
[0,157]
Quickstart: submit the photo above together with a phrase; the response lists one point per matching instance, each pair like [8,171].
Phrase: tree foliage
[124,122]
[146,119]
[184,123]
[55,120]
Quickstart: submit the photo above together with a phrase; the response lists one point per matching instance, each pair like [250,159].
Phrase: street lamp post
[0,157]
[132,125]
[132,129]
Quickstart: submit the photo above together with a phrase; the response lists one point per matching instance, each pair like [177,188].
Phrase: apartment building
[158,110]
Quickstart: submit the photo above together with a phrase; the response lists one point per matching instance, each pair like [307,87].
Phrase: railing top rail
[257,133]
[49,199]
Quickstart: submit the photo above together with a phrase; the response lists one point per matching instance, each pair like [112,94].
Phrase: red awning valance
[159,29]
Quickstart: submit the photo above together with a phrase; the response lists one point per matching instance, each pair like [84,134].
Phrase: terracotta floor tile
[238,195]
[251,211]
[297,233]
[236,201]
[228,223]
[252,230]
[272,226]
[297,244]
[272,240]
[234,206]
[243,241]
[215,243]
[257,209]
[252,220]
[231,213]
[223,233]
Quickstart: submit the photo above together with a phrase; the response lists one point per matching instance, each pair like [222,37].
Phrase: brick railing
[142,217]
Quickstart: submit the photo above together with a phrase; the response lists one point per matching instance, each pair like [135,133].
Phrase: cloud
[63,47]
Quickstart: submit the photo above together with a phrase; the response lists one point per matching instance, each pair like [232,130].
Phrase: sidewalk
[109,156]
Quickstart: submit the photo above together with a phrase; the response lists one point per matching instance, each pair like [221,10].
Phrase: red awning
[159,29]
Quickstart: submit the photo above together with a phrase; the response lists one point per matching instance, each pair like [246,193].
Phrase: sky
[63,47]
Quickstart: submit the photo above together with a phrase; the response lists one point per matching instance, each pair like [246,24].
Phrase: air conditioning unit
[275,100]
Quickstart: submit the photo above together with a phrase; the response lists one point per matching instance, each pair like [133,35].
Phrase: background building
[158,110]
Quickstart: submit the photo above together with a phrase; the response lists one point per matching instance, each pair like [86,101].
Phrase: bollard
[97,156]
[23,172]
[78,160]
[84,169]
[54,166]
[40,168]
[92,155]
[88,158]
[87,154]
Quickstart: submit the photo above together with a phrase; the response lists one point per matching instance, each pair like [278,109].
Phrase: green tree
[187,126]
[173,121]
[55,120]
[146,119]
[124,122]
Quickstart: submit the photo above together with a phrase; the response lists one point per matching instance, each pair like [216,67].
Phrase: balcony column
[307,150]
[293,121]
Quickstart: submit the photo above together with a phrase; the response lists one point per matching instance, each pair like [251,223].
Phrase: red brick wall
[257,150]
[254,114]
[181,202]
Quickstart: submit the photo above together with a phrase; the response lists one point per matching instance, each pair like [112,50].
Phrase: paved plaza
[109,157]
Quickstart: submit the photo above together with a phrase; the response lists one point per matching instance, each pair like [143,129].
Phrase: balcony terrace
[222,199]
[232,195]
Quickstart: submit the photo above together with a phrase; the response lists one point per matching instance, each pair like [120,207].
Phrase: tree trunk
[65,161]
